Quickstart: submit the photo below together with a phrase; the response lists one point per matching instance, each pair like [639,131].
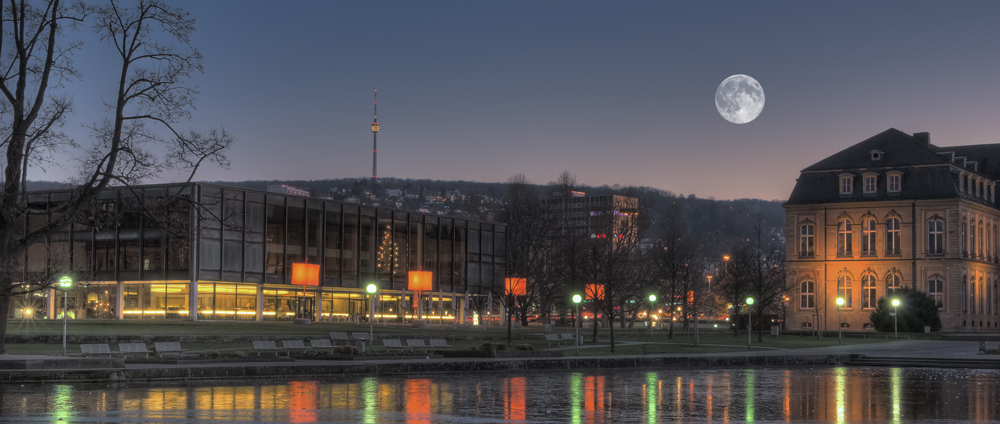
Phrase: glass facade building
[211,252]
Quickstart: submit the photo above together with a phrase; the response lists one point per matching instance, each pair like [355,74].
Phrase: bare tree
[152,98]
[766,275]
[734,280]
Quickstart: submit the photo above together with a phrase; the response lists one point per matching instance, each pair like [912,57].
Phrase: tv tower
[375,140]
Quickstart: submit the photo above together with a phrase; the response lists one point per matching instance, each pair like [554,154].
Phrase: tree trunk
[611,328]
[760,327]
[595,327]
[510,323]
[4,311]
[670,334]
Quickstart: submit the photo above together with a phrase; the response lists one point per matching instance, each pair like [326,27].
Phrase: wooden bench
[290,345]
[392,344]
[163,348]
[318,344]
[340,336]
[360,336]
[570,337]
[440,344]
[554,338]
[95,349]
[415,344]
[266,345]
[133,348]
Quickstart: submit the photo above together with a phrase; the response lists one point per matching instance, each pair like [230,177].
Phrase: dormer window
[893,179]
[868,183]
[876,155]
[846,184]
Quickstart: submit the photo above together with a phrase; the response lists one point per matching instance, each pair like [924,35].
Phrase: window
[963,241]
[807,324]
[935,288]
[808,295]
[807,239]
[868,287]
[844,290]
[972,239]
[892,183]
[972,296]
[980,249]
[980,295]
[892,283]
[935,236]
[868,237]
[844,238]
[846,184]
[869,184]
[892,236]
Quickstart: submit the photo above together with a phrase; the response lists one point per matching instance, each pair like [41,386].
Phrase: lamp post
[652,304]
[576,299]
[895,325]
[840,324]
[749,321]
[65,283]
[372,288]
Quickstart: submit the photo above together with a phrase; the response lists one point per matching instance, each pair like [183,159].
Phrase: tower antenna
[375,141]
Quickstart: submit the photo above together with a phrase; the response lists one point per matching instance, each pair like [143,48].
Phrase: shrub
[500,347]
[213,354]
[238,354]
[524,347]
[487,347]
[916,310]
[347,350]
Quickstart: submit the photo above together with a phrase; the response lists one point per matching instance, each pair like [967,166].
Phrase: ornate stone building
[895,211]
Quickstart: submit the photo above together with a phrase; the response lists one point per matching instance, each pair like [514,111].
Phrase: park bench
[266,345]
[340,336]
[133,348]
[415,344]
[290,345]
[163,348]
[392,344]
[360,336]
[553,338]
[318,344]
[95,349]
[570,337]
[440,344]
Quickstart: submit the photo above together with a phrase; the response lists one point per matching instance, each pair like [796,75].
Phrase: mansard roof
[927,169]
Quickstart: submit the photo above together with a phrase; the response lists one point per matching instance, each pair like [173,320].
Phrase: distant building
[895,211]
[287,189]
[393,192]
[594,216]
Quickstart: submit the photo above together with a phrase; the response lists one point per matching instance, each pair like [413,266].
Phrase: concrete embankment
[319,369]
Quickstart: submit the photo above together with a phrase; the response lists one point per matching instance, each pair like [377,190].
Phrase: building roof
[901,149]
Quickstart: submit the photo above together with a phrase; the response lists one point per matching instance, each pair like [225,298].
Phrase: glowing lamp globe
[840,301]
[749,301]
[577,298]
[895,302]
[372,288]
[65,282]
[652,298]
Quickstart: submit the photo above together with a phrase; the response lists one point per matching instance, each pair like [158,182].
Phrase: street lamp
[652,303]
[576,299]
[749,321]
[65,283]
[895,326]
[840,324]
[372,289]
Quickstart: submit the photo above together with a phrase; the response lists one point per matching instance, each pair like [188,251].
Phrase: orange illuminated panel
[595,291]
[302,402]
[515,406]
[516,286]
[420,281]
[418,401]
[305,274]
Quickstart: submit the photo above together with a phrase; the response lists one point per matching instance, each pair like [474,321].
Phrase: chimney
[923,137]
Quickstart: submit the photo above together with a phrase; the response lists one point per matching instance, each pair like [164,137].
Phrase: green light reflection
[841,394]
[895,392]
[576,396]
[369,387]
[749,394]
[651,397]
[62,408]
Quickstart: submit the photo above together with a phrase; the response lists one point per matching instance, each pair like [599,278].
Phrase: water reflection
[601,396]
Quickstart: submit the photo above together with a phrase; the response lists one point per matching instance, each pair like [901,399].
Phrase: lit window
[935,236]
[844,290]
[846,183]
[893,183]
[892,283]
[868,297]
[892,236]
[980,297]
[808,295]
[844,238]
[869,184]
[807,238]
[972,239]
[868,237]
[935,288]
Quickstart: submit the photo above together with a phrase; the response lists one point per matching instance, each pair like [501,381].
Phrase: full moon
[739,99]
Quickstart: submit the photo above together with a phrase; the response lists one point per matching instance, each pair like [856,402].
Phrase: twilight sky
[614,92]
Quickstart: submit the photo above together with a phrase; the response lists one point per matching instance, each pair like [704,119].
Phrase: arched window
[844,238]
[980,297]
[989,243]
[807,297]
[972,239]
[892,236]
[935,288]
[980,249]
[935,236]
[893,281]
[868,296]
[972,295]
[807,239]
[963,238]
[966,288]
[844,290]
[989,298]
[868,237]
